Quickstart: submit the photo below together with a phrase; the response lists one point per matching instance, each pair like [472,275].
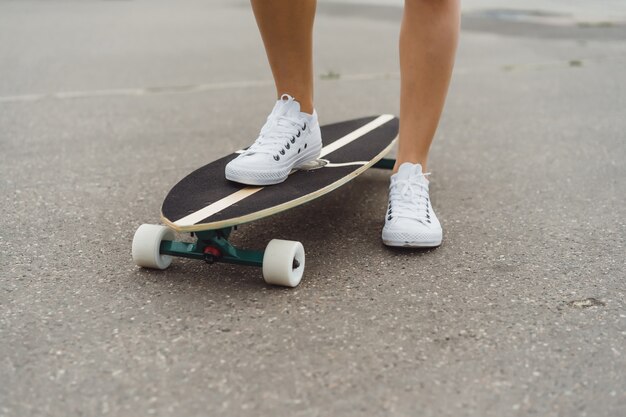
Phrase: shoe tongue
[408,170]
[287,106]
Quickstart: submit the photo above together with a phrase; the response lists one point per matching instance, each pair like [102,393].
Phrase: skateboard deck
[206,200]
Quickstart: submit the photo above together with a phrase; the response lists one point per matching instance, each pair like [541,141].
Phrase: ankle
[307,107]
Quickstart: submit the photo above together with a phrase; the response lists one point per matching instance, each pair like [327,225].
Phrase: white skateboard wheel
[147,243]
[283,263]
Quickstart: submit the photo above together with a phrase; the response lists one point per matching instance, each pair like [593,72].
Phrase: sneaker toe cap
[413,234]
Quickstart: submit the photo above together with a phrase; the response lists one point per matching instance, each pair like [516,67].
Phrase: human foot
[410,220]
[289,139]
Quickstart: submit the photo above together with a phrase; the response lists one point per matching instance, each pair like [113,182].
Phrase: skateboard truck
[282,261]
[212,246]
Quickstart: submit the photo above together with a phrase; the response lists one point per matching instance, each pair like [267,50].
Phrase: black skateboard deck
[206,200]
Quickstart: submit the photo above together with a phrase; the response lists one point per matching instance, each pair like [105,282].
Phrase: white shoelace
[278,134]
[409,199]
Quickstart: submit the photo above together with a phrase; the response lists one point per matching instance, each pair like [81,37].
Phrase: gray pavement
[104,105]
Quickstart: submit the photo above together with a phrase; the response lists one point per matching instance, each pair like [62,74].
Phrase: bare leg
[428,40]
[287,30]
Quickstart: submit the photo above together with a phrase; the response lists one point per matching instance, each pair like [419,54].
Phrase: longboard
[208,205]
[206,200]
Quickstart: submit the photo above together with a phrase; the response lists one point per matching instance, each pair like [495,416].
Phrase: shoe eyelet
[293,139]
[276,158]
[298,135]
[282,151]
[389,218]
[299,149]
[287,146]
[305,145]
[304,127]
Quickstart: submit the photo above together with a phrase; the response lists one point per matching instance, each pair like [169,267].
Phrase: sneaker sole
[407,244]
[412,240]
[269,177]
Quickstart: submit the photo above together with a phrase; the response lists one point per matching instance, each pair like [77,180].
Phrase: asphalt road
[104,105]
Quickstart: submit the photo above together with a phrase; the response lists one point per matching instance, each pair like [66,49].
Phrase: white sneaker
[289,139]
[410,220]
